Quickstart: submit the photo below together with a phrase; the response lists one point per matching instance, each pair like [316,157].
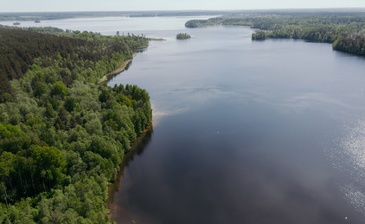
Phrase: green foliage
[59,89]
[63,135]
[354,43]
[183,36]
[66,55]
[49,166]
[259,35]
[198,23]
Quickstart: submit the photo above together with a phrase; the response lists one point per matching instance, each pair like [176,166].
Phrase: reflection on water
[116,196]
[353,164]
[354,145]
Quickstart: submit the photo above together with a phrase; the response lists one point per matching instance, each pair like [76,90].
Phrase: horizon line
[195,10]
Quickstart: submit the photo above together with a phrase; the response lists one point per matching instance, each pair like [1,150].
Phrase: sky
[145,5]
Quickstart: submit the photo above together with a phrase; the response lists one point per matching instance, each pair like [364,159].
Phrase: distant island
[183,36]
[345,30]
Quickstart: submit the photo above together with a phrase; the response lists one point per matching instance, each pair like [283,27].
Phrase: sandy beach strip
[120,69]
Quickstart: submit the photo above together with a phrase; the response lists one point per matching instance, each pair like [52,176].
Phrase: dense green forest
[62,134]
[345,30]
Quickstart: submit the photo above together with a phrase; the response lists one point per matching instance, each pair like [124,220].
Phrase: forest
[182,36]
[344,30]
[63,134]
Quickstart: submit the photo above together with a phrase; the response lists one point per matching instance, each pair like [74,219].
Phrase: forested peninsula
[62,133]
[345,30]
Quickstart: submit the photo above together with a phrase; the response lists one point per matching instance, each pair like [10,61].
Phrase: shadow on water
[137,149]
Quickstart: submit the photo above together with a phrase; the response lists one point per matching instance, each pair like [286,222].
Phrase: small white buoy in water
[346,217]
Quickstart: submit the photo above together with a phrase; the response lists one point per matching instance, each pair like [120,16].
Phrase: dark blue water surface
[247,132]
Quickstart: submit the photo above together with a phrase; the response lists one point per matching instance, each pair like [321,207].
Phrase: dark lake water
[244,132]
[247,132]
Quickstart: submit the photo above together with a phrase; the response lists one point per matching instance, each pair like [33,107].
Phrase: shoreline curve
[122,67]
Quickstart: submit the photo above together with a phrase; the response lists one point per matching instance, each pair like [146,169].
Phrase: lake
[244,132]
[247,132]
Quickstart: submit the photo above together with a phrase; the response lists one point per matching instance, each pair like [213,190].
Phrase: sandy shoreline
[120,69]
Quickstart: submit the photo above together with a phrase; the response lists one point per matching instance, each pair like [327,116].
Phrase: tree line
[62,134]
[345,30]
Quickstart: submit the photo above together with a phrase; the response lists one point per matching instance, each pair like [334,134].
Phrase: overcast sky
[136,5]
